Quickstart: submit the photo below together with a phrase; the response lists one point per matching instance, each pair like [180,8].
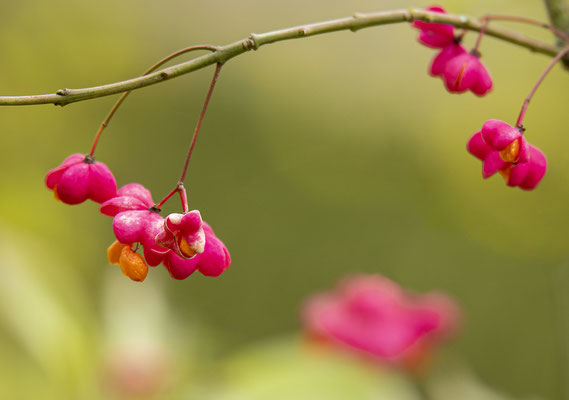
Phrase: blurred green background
[318,158]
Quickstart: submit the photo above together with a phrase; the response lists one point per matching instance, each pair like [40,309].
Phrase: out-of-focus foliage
[318,158]
[285,369]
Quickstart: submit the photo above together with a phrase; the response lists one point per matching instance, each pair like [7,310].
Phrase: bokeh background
[318,158]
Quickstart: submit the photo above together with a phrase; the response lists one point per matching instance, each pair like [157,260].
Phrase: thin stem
[165,199]
[180,185]
[495,17]
[479,38]
[163,61]
[255,41]
[558,32]
[180,189]
[199,124]
[183,198]
[459,38]
[558,57]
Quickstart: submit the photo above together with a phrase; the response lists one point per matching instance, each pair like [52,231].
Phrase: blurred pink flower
[465,72]
[80,177]
[140,373]
[503,148]
[433,35]
[377,318]
[460,70]
[448,53]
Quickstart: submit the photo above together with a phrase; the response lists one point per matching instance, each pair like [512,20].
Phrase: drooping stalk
[199,124]
[558,57]
[474,50]
[115,107]
[561,35]
[180,185]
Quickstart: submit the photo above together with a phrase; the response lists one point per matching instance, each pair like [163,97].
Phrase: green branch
[255,41]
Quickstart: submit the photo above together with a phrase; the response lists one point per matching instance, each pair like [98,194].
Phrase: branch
[558,11]
[255,41]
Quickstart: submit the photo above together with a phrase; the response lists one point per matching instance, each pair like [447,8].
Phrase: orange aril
[505,172]
[55,195]
[133,265]
[114,252]
[512,152]
[186,249]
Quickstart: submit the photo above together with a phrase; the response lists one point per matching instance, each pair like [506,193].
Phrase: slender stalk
[558,57]
[479,38]
[564,37]
[199,124]
[556,31]
[180,185]
[255,41]
[165,199]
[183,198]
[115,107]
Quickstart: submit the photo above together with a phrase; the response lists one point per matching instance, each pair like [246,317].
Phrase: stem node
[251,42]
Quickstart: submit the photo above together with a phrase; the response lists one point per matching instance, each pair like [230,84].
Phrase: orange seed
[505,172]
[114,252]
[55,196]
[186,249]
[512,152]
[133,265]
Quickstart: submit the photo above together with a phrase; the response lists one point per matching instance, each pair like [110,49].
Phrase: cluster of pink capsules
[500,146]
[183,242]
